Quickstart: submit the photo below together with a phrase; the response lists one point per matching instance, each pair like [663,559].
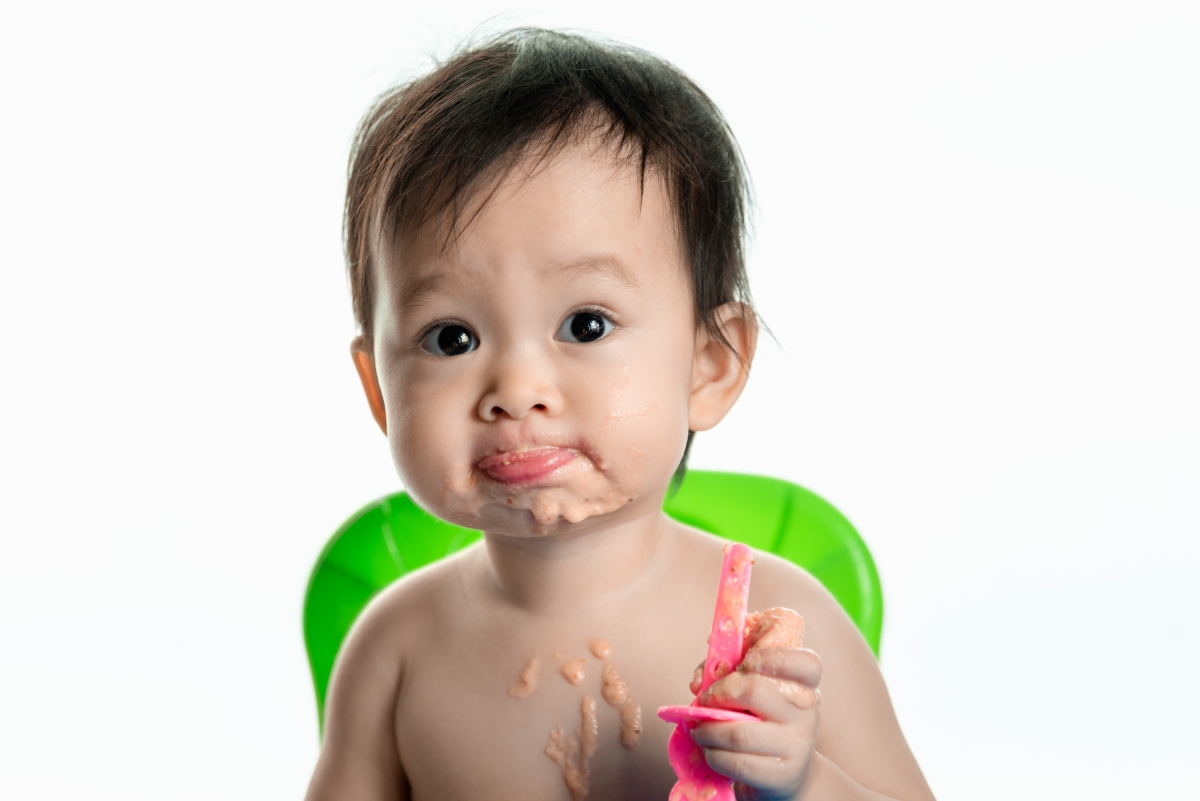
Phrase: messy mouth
[524,467]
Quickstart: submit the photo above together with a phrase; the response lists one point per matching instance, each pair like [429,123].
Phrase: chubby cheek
[429,436]
[643,423]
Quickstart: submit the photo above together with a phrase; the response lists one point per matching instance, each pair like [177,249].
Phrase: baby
[545,238]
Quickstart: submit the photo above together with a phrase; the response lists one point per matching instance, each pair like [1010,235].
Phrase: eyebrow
[602,264]
[415,290]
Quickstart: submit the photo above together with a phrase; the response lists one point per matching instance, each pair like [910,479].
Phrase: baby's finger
[746,737]
[770,699]
[791,664]
[764,773]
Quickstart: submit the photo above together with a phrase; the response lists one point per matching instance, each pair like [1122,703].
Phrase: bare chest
[544,714]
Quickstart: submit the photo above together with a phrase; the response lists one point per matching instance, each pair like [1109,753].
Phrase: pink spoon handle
[697,781]
[729,619]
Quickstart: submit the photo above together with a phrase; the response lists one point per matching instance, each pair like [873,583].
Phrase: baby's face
[537,372]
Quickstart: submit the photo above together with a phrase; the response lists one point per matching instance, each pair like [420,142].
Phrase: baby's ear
[720,369]
[364,362]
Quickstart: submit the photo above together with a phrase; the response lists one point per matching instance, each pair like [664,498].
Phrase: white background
[978,248]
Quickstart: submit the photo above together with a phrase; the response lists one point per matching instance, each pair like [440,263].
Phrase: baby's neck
[586,572]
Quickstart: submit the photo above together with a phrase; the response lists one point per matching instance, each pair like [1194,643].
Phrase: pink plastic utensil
[696,780]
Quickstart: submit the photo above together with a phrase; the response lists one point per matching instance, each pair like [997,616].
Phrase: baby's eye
[584,327]
[450,340]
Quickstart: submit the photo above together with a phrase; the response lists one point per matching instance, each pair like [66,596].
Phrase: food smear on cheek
[571,752]
[527,681]
[461,498]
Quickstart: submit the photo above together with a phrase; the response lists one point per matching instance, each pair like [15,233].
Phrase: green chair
[388,538]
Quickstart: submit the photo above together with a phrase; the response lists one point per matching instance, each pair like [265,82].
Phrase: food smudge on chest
[613,687]
[527,681]
[572,669]
[571,752]
[616,694]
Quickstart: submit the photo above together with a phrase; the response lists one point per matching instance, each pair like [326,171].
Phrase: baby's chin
[580,494]
[548,510]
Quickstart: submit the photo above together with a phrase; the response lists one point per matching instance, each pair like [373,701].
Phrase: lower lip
[525,466]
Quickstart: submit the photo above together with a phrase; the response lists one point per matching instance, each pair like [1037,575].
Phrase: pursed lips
[525,466]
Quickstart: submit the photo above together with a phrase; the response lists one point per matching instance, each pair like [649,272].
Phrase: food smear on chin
[587,485]
[527,681]
[600,648]
[571,752]
[616,694]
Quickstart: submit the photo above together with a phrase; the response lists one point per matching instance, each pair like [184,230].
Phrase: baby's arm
[359,759]
[843,743]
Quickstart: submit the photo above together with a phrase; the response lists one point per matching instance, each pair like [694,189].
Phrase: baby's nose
[518,388]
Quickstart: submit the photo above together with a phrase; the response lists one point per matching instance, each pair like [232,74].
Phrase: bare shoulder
[359,757]
[827,627]
[410,609]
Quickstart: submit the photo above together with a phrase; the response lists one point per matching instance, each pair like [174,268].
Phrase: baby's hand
[772,757]
[777,681]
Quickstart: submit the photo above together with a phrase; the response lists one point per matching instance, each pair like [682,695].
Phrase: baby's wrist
[812,779]
[825,780]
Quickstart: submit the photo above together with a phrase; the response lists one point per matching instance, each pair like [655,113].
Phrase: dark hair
[424,148]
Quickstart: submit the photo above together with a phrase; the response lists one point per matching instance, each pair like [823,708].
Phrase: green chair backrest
[388,538]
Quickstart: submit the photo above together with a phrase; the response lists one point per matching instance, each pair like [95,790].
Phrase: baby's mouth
[524,467]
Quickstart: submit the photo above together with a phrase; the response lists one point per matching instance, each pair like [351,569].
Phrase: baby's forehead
[579,212]
[410,287]
[545,179]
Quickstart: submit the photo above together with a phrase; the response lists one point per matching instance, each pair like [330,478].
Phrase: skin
[419,704]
